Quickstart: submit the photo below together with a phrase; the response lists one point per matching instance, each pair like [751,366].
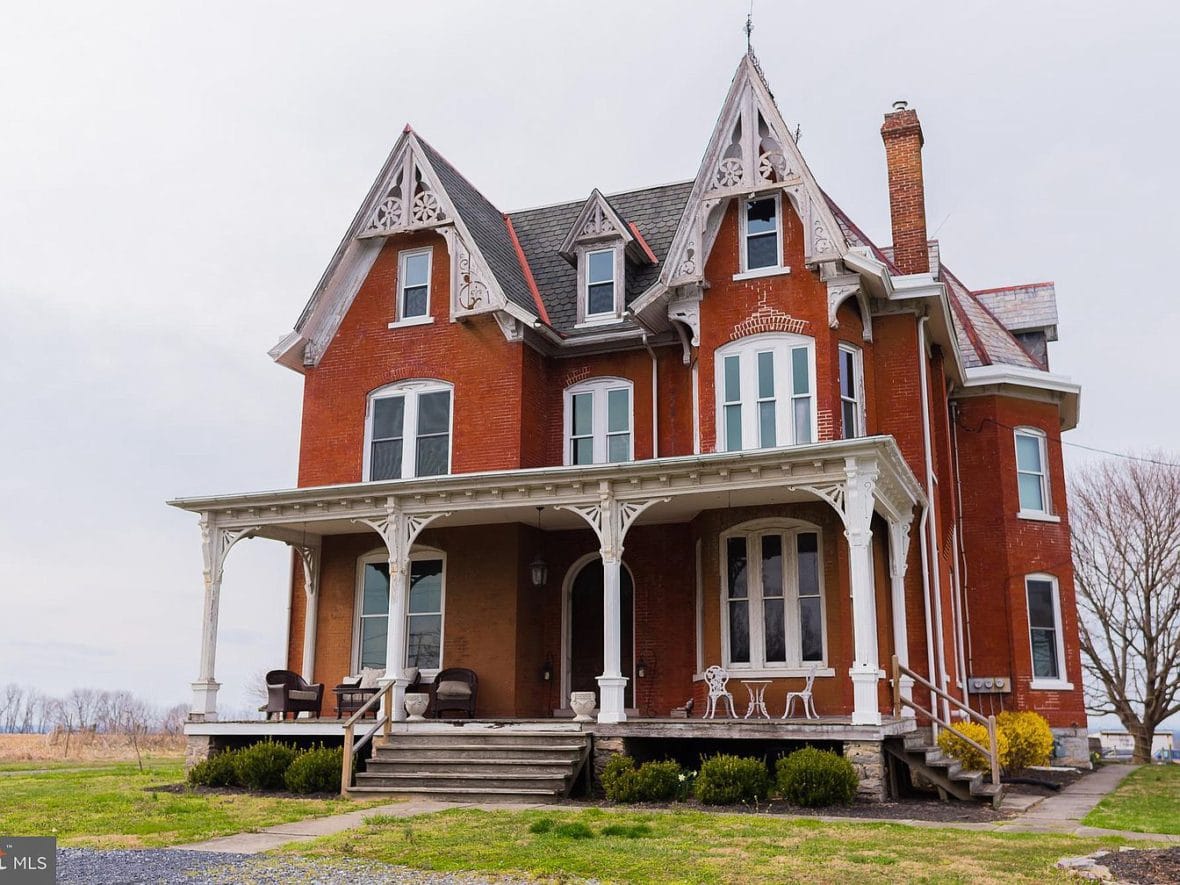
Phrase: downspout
[931,580]
[655,400]
[961,560]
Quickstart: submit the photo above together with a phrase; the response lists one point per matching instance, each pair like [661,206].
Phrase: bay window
[1031,475]
[852,415]
[765,392]
[1045,635]
[408,431]
[599,422]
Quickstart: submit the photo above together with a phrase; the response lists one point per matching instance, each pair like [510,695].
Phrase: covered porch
[650,540]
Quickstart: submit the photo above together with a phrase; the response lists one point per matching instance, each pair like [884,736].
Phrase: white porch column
[611,519]
[899,547]
[399,530]
[859,496]
[215,545]
[310,555]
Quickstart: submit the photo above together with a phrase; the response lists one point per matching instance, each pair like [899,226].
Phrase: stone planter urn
[416,705]
[583,704]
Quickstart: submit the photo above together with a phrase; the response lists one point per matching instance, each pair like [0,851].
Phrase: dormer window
[760,230]
[600,283]
[413,286]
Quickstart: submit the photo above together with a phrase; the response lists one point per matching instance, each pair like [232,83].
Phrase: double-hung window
[773,610]
[765,392]
[599,422]
[413,285]
[424,612]
[761,234]
[600,284]
[1031,475]
[852,411]
[1044,631]
[408,431]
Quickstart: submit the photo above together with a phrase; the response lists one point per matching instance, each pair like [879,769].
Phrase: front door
[586,621]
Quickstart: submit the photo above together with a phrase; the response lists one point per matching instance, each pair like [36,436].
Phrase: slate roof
[1022,308]
[655,212]
[983,339]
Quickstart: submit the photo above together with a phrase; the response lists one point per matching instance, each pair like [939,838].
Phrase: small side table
[757,692]
[350,698]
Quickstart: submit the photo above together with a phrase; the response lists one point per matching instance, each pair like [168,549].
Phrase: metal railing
[990,752]
[352,746]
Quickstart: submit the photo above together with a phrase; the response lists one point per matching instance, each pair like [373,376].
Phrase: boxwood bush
[813,778]
[727,780]
[216,771]
[315,771]
[650,782]
[620,780]
[262,766]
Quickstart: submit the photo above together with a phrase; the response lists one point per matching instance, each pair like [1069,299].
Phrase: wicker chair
[454,688]
[289,692]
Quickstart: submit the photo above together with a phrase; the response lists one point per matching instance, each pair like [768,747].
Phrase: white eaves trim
[1068,392]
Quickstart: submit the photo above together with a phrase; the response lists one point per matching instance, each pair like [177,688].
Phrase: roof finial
[749,26]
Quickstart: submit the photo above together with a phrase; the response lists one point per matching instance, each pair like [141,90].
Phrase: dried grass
[85,747]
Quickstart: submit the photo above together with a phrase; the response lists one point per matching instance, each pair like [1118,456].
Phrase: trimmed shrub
[727,780]
[951,742]
[315,771]
[1029,739]
[216,771]
[620,779]
[813,778]
[262,766]
[657,781]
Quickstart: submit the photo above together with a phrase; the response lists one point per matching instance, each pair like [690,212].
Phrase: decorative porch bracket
[854,500]
[399,530]
[309,554]
[899,548]
[611,519]
[215,546]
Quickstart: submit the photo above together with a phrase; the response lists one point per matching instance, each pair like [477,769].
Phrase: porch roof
[684,486]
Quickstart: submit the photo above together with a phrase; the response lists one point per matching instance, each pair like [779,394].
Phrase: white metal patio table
[757,691]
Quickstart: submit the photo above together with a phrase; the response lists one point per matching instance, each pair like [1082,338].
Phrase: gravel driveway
[90,866]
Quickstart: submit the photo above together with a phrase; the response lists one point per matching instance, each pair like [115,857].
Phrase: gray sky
[174,177]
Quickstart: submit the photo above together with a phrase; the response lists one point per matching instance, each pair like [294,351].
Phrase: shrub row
[807,777]
[1022,740]
[269,765]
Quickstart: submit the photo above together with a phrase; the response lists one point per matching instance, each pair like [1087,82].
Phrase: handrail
[384,721]
[992,751]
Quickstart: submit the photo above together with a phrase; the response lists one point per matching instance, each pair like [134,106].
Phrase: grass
[693,846]
[1148,801]
[113,806]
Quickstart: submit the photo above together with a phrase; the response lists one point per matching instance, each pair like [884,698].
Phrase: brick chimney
[902,134]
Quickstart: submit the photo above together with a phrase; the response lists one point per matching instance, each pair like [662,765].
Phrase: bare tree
[173,719]
[1126,546]
[12,703]
[135,721]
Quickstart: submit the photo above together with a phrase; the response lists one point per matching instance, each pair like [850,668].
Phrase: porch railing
[384,698]
[991,751]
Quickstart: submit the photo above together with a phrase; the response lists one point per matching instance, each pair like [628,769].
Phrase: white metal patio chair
[804,698]
[716,678]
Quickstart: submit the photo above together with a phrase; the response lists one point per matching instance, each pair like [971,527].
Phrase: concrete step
[460,783]
[467,765]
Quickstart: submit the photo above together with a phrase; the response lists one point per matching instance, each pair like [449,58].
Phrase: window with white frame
[424,612]
[1044,629]
[772,597]
[413,284]
[852,408]
[599,422]
[761,234]
[408,431]
[1031,475]
[765,392]
[600,284]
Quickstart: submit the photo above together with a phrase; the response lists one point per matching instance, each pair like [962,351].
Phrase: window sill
[1050,685]
[606,319]
[761,272]
[737,675]
[412,321]
[1037,516]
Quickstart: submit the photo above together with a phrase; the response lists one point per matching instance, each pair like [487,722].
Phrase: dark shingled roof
[487,227]
[655,212]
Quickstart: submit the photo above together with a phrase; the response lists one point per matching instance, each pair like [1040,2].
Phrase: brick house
[605,444]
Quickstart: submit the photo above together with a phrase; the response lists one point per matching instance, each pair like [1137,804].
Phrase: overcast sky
[175,176]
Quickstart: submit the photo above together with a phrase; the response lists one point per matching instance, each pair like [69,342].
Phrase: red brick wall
[907,198]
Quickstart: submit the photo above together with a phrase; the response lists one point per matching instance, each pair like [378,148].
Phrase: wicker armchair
[454,688]
[289,692]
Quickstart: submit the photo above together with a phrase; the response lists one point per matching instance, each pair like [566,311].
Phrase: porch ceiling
[690,484]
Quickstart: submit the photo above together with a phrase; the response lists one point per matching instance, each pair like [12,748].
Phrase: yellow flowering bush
[951,742]
[1029,740]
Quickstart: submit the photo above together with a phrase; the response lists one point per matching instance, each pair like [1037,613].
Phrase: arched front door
[585,631]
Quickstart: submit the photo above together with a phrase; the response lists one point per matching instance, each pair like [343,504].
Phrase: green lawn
[1148,801]
[693,846]
[112,806]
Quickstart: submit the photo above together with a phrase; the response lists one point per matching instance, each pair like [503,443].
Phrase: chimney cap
[901,104]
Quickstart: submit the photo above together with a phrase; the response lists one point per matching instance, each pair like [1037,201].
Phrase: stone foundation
[604,749]
[1073,747]
[198,748]
[868,759]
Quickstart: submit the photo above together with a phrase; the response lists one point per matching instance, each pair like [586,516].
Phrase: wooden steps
[947,774]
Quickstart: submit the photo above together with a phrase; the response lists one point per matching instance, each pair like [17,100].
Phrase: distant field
[27,751]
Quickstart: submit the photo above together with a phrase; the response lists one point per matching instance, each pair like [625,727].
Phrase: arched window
[772,597]
[408,430]
[599,422]
[765,392]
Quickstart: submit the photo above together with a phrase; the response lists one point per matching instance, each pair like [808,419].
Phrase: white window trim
[778,267]
[1042,442]
[858,384]
[1061,683]
[758,667]
[620,270]
[382,556]
[598,388]
[747,349]
[417,319]
[411,390]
